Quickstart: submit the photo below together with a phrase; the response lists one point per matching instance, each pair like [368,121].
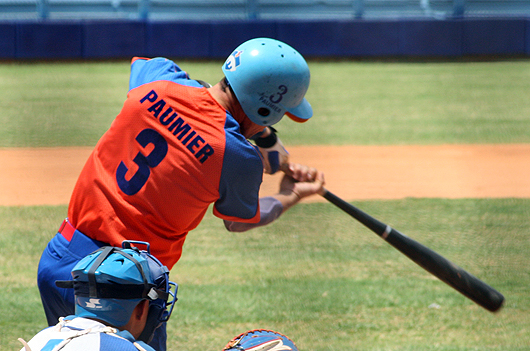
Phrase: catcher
[122,296]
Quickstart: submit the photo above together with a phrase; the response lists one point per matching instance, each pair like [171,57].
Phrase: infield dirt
[46,176]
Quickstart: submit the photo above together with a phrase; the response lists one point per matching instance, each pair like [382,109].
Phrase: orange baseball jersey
[170,153]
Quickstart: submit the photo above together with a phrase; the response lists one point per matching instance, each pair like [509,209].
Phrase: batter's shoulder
[144,70]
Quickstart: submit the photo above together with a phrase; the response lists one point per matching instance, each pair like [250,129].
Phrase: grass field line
[46,176]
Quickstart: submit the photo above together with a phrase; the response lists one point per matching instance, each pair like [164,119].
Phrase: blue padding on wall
[368,38]
[178,39]
[431,38]
[7,40]
[48,40]
[527,37]
[114,39]
[226,36]
[314,38]
[494,37]
[216,39]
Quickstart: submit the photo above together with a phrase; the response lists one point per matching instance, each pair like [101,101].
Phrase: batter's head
[110,282]
[269,79]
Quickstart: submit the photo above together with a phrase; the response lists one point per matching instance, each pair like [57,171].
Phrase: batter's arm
[298,182]
[270,209]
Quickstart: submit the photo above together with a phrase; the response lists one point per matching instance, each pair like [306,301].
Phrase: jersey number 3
[145,163]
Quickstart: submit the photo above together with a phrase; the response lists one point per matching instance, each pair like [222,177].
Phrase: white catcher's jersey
[81,334]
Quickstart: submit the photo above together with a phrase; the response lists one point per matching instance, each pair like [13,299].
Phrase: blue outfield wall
[216,39]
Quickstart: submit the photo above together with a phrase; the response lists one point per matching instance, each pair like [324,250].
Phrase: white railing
[258,9]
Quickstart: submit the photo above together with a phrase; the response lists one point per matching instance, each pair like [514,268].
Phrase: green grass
[318,276]
[56,104]
[417,103]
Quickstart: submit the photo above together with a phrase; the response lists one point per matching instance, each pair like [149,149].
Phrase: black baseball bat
[456,277]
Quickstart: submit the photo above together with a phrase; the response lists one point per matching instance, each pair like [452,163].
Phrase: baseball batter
[177,146]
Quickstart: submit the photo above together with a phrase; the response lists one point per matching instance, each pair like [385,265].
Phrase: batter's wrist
[267,141]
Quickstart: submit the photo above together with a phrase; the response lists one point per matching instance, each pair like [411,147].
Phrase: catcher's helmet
[269,79]
[110,282]
[261,340]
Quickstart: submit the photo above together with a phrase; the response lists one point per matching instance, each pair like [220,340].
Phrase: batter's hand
[301,180]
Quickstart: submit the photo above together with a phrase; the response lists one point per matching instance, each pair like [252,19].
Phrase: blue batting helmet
[269,79]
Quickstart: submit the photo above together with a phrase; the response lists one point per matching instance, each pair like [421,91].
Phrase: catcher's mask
[110,282]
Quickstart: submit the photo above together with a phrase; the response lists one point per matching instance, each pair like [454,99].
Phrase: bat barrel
[451,274]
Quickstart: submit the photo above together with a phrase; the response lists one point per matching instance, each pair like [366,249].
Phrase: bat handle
[373,224]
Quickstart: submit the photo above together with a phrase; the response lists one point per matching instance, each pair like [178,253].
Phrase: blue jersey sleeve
[145,71]
[241,176]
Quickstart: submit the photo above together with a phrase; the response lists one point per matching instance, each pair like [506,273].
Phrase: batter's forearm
[270,209]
